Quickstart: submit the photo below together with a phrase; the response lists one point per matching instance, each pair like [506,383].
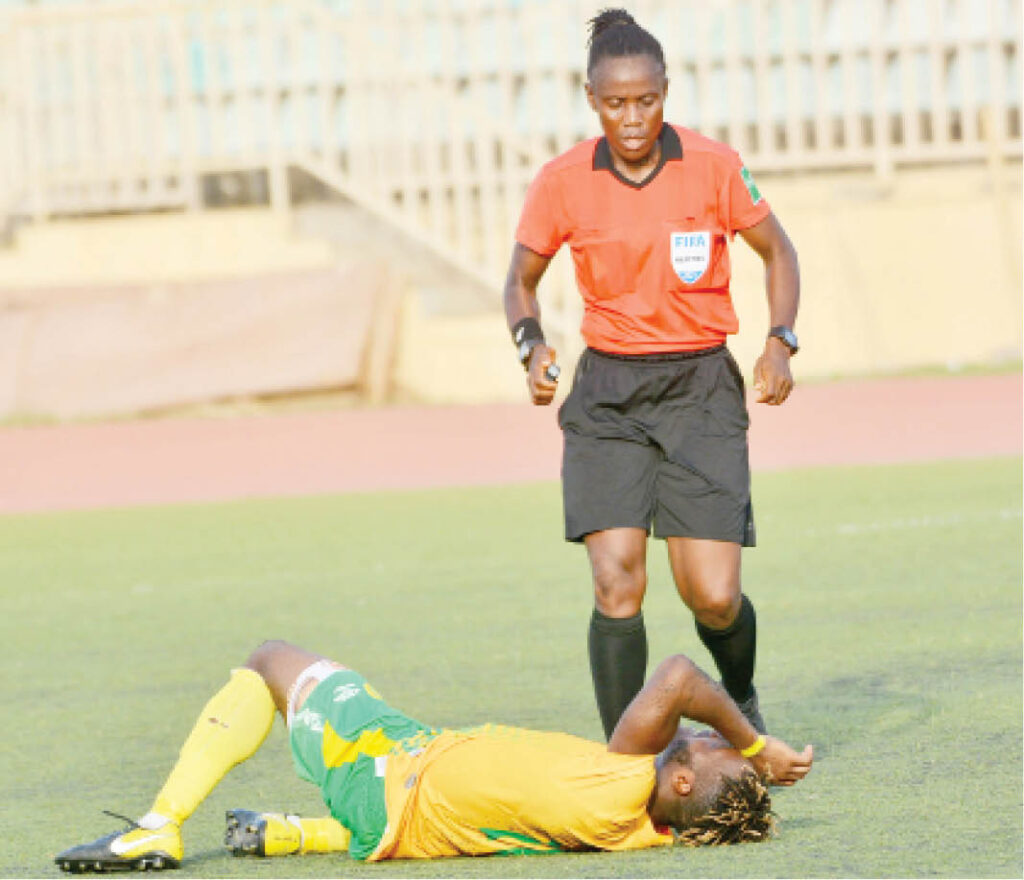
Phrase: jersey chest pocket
[605,263]
[696,256]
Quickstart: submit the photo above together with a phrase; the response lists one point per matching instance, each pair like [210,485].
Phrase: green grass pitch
[889,601]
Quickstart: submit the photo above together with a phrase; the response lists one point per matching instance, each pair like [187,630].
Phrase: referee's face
[628,95]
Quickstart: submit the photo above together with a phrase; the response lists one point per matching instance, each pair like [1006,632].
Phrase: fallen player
[397,788]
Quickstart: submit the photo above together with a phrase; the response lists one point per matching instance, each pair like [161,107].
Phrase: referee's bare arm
[772,377]
[524,273]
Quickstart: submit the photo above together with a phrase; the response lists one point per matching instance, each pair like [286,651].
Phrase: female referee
[655,426]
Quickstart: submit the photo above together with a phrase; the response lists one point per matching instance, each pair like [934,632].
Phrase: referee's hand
[773,379]
[542,387]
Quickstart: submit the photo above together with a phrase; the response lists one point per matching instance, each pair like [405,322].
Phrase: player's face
[628,95]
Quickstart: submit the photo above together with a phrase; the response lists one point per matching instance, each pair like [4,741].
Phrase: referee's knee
[620,581]
[619,597]
[618,607]
[716,608]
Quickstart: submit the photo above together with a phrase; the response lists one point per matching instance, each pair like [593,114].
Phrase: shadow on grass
[840,710]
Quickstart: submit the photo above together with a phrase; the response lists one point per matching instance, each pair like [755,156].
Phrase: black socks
[733,649]
[618,663]
[618,658]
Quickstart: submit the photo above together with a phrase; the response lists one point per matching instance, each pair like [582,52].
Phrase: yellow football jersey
[497,789]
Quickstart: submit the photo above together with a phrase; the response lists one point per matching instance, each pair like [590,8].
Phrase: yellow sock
[324,835]
[230,729]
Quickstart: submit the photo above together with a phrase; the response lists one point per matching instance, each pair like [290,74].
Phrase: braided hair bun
[614,33]
[605,19]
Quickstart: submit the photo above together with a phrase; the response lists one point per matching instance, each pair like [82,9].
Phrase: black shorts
[657,439]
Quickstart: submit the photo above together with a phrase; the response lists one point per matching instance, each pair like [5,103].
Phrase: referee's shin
[618,663]
[734,649]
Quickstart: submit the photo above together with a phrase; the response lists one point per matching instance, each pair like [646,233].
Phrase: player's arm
[678,689]
[772,377]
[524,273]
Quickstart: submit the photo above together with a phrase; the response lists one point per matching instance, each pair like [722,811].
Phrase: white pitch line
[917,522]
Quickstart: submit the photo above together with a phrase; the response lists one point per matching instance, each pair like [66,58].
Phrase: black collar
[671,148]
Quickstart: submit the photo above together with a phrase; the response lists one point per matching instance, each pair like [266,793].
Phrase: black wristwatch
[787,336]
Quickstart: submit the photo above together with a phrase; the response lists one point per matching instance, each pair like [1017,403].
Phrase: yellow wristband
[755,749]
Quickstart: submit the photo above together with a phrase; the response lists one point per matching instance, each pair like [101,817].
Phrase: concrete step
[151,248]
[440,288]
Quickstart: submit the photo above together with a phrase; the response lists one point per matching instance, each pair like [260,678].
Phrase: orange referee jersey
[652,260]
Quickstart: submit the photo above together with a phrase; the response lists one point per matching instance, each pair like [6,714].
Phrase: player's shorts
[657,440]
[340,739]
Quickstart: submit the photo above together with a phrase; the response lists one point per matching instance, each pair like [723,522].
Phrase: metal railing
[435,115]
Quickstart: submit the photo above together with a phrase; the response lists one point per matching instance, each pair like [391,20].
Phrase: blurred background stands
[207,200]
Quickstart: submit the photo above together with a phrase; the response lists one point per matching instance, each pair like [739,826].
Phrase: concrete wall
[143,249]
[124,315]
[135,348]
[924,270]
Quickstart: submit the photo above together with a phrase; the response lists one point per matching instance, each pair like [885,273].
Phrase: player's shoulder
[695,143]
[575,159]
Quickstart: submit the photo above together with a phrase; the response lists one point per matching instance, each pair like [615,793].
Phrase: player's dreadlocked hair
[614,33]
[742,813]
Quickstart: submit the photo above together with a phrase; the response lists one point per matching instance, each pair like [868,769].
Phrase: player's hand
[772,377]
[542,386]
[781,765]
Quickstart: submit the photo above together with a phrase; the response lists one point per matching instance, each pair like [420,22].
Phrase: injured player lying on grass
[396,788]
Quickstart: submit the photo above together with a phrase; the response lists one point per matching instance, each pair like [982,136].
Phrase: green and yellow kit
[407,790]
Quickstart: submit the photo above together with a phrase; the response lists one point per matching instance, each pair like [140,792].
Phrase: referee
[655,427]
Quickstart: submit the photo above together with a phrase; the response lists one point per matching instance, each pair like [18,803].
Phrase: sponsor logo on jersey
[748,180]
[345,692]
[691,253]
[313,720]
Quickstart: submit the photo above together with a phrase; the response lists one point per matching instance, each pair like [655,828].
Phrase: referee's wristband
[526,334]
[755,748]
[527,330]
